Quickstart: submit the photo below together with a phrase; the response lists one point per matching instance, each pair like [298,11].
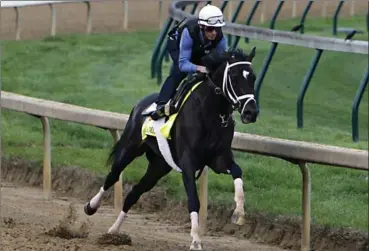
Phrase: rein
[229,94]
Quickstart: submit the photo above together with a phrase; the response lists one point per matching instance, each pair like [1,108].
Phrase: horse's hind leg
[120,163]
[157,169]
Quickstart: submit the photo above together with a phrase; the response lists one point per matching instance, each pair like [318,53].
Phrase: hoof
[89,210]
[238,219]
[196,246]
[113,230]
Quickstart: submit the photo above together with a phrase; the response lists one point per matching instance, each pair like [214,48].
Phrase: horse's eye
[245,74]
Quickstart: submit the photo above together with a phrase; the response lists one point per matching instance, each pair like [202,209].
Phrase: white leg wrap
[195,226]
[239,195]
[95,201]
[114,229]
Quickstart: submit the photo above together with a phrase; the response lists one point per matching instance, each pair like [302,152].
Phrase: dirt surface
[155,223]
[31,223]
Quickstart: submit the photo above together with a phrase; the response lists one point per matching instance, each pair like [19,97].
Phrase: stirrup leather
[168,109]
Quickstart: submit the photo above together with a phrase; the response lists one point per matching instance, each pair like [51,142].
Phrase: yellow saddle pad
[148,129]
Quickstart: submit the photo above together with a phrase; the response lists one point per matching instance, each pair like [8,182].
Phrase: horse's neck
[212,104]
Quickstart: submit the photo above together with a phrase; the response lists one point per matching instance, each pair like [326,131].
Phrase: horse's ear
[207,61]
[212,60]
[252,54]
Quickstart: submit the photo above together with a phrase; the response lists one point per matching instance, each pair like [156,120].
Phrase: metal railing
[276,37]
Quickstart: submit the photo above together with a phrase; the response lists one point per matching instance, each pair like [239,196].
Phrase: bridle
[228,92]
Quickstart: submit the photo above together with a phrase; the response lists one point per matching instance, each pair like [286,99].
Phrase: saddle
[184,87]
[162,127]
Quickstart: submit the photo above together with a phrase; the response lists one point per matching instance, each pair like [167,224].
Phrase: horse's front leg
[188,166]
[238,216]
[225,164]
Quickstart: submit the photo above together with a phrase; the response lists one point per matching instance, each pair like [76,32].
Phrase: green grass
[110,72]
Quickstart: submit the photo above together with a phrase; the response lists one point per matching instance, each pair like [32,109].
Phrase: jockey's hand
[202,69]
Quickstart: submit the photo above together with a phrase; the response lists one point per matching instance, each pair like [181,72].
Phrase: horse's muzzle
[249,116]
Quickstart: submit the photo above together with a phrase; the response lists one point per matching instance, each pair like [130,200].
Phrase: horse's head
[234,78]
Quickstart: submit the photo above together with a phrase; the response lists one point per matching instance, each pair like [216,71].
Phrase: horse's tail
[130,141]
[117,150]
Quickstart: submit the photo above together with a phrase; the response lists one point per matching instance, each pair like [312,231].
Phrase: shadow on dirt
[276,231]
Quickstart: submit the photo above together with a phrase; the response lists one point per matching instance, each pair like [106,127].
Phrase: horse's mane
[214,59]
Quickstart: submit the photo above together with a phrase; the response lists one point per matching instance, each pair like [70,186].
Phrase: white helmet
[211,15]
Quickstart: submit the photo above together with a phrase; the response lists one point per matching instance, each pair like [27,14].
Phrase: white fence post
[230,10]
[118,186]
[53,19]
[262,12]
[89,18]
[17,23]
[352,9]
[324,9]
[160,14]
[125,15]
[47,158]
[306,206]
[294,8]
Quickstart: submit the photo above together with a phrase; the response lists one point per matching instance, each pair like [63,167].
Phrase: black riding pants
[175,76]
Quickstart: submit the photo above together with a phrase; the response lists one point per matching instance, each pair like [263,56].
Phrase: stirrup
[156,116]
[159,112]
[150,110]
[162,110]
[167,110]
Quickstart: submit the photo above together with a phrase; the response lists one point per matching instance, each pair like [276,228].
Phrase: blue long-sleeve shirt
[185,51]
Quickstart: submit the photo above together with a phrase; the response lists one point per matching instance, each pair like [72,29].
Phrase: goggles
[214,20]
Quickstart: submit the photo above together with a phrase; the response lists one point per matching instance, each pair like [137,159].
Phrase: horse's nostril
[249,116]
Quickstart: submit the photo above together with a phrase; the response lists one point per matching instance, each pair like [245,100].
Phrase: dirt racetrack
[31,223]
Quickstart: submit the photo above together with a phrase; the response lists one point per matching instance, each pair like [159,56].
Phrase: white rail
[17,5]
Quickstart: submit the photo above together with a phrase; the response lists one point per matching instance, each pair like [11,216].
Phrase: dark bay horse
[201,136]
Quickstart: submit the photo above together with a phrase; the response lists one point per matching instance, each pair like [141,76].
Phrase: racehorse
[200,136]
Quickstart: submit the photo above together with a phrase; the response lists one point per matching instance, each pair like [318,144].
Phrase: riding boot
[160,111]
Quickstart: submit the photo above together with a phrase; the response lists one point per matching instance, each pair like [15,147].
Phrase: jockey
[186,46]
